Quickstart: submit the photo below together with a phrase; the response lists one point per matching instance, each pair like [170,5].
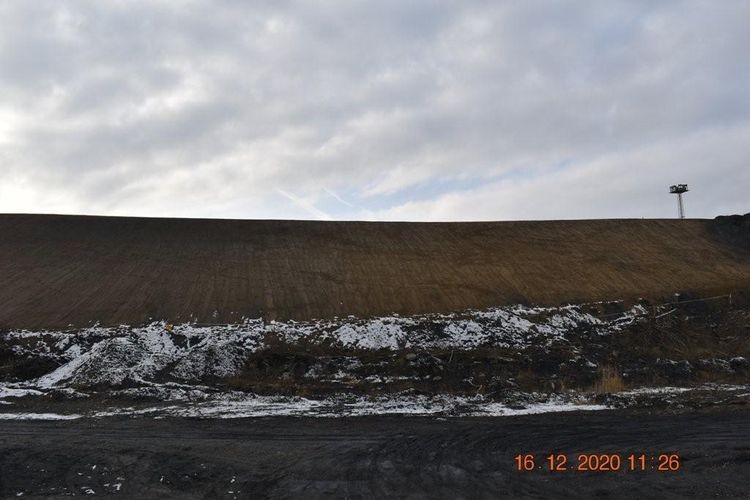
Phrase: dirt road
[378,457]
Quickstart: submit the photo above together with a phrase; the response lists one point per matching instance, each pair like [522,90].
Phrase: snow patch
[38,416]
[122,356]
[16,391]
[241,405]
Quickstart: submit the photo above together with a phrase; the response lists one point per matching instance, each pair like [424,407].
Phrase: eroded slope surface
[60,270]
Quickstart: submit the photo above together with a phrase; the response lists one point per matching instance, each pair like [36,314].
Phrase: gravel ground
[372,457]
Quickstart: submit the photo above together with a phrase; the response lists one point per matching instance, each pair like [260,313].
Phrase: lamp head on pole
[679,189]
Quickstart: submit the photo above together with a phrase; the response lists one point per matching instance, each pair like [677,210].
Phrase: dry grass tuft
[609,381]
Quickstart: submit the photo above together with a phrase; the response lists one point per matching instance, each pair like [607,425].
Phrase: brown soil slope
[60,270]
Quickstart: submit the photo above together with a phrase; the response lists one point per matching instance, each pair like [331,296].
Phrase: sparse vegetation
[58,270]
[709,345]
[610,381]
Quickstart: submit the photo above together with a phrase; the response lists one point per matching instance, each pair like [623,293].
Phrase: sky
[375,110]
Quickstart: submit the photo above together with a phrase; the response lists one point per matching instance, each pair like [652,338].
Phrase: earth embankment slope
[60,270]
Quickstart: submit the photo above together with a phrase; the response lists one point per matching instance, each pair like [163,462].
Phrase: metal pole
[680,206]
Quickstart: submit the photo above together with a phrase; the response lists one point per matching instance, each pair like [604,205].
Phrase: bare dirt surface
[60,270]
[372,457]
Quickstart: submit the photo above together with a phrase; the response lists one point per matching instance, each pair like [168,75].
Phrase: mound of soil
[60,270]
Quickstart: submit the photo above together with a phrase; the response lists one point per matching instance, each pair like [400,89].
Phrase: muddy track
[372,457]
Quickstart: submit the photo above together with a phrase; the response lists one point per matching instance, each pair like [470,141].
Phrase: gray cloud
[404,110]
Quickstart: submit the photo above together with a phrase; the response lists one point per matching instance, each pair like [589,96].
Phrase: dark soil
[697,343]
[373,457]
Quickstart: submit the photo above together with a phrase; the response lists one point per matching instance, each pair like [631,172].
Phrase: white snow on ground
[191,353]
[377,334]
[644,391]
[140,360]
[656,390]
[64,372]
[38,416]
[15,391]
[246,405]
[240,405]
[497,409]
[198,404]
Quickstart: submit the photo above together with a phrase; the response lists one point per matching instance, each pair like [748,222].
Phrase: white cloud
[623,185]
[307,205]
[214,108]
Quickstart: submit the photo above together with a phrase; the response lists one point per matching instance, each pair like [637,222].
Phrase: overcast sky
[378,110]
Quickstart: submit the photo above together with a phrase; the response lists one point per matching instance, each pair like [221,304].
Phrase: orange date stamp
[598,462]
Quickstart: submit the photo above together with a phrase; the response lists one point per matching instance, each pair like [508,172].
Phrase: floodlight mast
[679,189]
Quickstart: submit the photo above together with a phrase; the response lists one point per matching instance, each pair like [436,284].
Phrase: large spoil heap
[60,270]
